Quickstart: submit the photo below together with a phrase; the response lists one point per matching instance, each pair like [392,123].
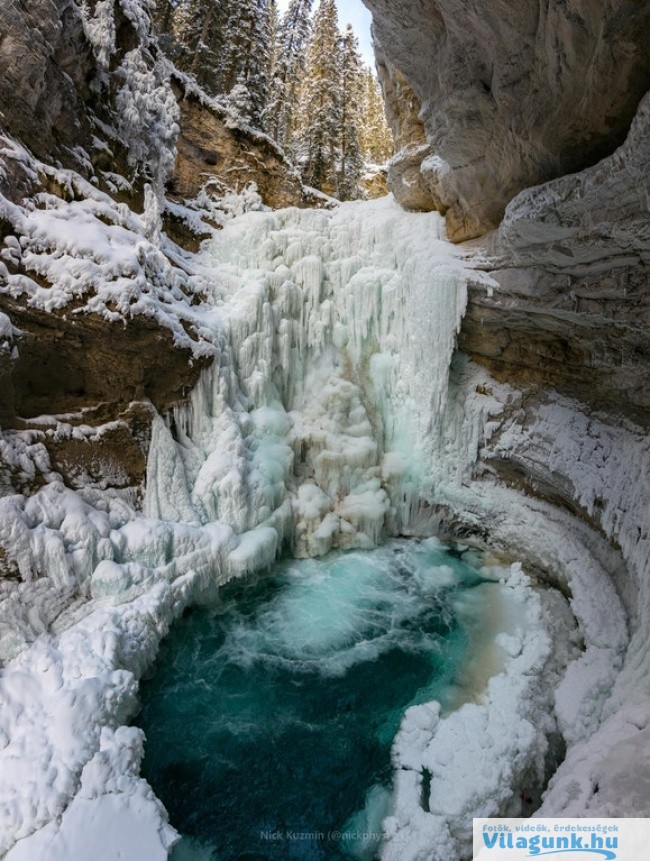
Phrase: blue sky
[355,13]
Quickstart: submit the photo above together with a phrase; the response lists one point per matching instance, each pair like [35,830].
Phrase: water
[269,717]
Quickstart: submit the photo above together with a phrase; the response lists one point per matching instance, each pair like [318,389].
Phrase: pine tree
[352,92]
[246,56]
[163,19]
[225,44]
[318,127]
[300,80]
[271,38]
[376,137]
[197,42]
[290,47]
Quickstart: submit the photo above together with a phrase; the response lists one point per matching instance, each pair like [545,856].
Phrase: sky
[355,13]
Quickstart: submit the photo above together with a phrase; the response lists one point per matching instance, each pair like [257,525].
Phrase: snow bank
[111,269]
[468,754]
[603,703]
[60,702]
[483,758]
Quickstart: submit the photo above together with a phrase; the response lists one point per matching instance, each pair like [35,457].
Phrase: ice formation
[327,419]
[320,397]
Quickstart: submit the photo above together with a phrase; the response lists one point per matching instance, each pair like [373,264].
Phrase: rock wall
[505,105]
[571,305]
[46,71]
[212,147]
[90,112]
[511,99]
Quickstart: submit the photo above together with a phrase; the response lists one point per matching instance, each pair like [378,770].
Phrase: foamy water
[274,712]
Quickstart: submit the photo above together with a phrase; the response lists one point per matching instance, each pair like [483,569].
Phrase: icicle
[340,330]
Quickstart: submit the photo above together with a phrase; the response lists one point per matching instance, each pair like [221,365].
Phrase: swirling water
[270,715]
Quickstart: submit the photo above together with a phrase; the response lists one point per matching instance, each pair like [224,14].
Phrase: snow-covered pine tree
[162,17]
[318,126]
[376,137]
[178,26]
[271,38]
[352,92]
[246,57]
[197,40]
[288,70]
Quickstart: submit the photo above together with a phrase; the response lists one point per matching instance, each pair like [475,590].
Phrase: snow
[7,331]
[331,415]
[257,550]
[100,30]
[59,698]
[100,257]
[113,826]
[147,111]
[114,815]
[99,25]
[148,114]
[603,703]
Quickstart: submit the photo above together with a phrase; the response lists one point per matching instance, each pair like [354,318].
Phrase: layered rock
[509,100]
[572,306]
[212,148]
[82,375]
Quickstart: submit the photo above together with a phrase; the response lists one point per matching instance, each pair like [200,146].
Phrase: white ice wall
[336,333]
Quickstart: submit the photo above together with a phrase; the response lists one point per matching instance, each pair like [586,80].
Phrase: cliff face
[212,147]
[571,306]
[90,113]
[510,98]
[46,72]
[506,104]
[536,147]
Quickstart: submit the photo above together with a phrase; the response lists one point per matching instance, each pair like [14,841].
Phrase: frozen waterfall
[319,418]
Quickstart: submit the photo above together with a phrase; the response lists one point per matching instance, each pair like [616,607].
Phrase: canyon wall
[511,99]
[531,131]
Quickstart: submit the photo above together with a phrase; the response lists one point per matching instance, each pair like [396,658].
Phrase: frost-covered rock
[493,93]
[213,146]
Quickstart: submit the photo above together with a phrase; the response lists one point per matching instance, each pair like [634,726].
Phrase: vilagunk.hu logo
[564,839]
[538,845]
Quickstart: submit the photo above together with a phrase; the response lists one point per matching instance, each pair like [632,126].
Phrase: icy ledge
[482,758]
